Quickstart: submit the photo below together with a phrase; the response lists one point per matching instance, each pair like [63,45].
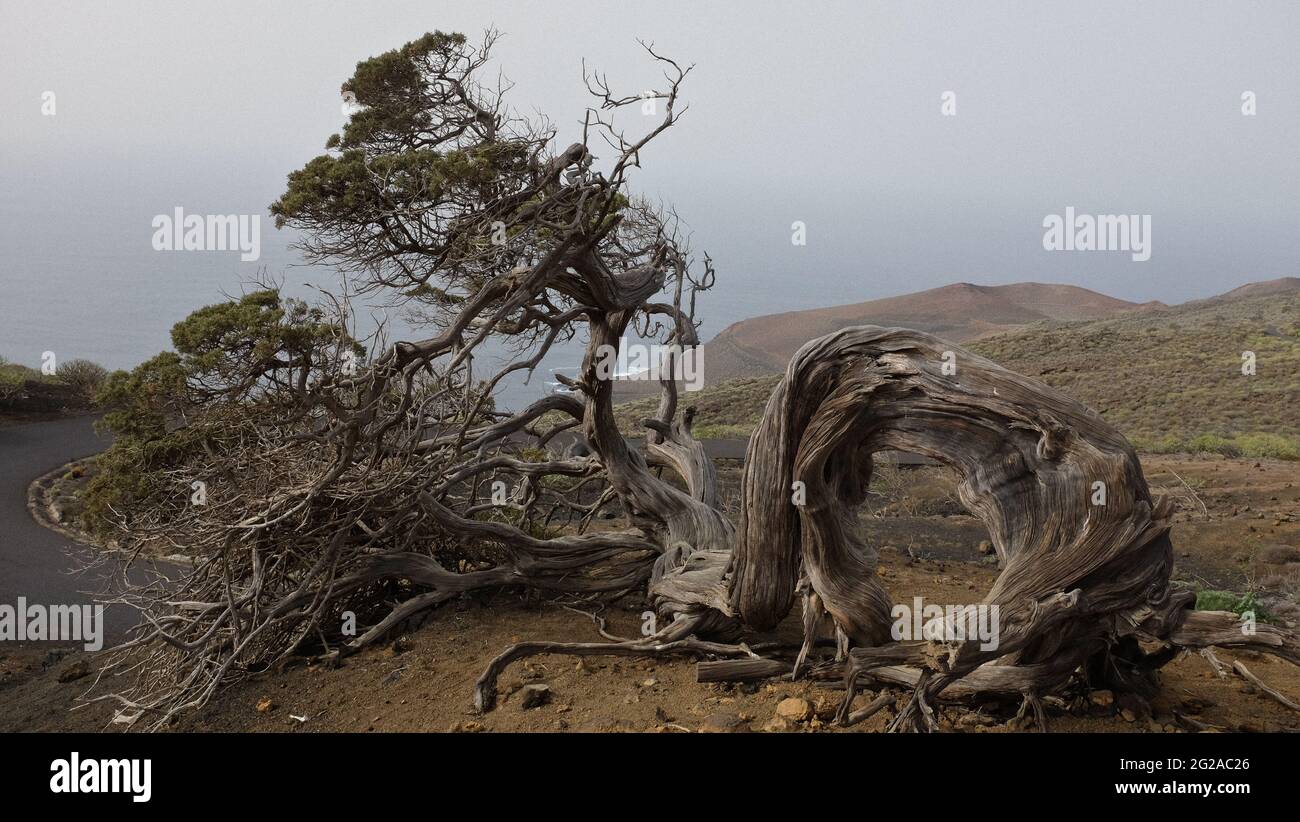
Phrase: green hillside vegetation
[13,376]
[1170,378]
[25,391]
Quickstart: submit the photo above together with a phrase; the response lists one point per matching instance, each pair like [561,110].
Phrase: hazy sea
[90,285]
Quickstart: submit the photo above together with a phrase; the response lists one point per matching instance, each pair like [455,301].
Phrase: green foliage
[721,432]
[16,382]
[139,399]
[83,376]
[1168,444]
[1238,604]
[432,187]
[252,335]
[12,377]
[1270,446]
[342,187]
[131,476]
[166,410]
[14,374]
[1212,444]
[1256,445]
[399,147]
[141,403]
[390,88]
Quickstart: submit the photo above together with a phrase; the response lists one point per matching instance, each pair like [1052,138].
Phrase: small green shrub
[1255,445]
[1213,444]
[722,432]
[1268,446]
[1238,604]
[83,376]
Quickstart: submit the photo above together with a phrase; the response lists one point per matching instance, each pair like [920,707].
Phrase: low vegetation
[1239,604]
[13,376]
[1170,379]
[27,392]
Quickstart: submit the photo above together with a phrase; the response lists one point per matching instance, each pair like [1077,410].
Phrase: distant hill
[1282,285]
[958,312]
[1169,377]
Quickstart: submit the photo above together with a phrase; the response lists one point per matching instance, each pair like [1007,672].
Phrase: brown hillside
[1282,285]
[1169,378]
[959,312]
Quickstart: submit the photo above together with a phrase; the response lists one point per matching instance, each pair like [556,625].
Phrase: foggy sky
[827,113]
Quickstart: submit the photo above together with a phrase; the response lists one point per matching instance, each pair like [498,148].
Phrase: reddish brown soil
[425,682]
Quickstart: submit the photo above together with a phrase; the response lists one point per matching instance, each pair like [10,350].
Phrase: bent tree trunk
[1084,549]
[1085,553]
[382,491]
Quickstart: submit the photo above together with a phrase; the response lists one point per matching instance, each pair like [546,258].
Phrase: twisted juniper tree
[340,478]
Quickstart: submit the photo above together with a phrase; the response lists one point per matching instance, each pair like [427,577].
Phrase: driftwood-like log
[1060,491]
[1084,547]
[1084,593]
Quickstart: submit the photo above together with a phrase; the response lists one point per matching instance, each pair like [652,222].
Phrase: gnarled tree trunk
[1084,549]
[382,490]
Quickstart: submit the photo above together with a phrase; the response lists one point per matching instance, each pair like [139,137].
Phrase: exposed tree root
[676,640]
[1258,683]
[1032,704]
[849,718]
[1084,547]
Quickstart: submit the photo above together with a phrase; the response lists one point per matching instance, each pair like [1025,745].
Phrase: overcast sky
[828,113]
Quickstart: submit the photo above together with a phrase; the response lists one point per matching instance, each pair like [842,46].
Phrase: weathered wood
[740,670]
[1245,674]
[1224,629]
[854,717]
[1084,547]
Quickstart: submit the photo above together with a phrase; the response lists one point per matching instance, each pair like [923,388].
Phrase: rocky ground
[422,681]
[1236,534]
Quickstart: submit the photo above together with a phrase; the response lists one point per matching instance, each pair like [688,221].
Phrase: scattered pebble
[794,709]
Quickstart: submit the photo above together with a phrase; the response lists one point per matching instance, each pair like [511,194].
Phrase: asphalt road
[35,562]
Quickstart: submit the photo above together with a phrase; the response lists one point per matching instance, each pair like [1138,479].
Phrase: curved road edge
[36,563]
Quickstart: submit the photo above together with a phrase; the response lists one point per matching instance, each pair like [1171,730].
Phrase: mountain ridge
[961,312]
[1171,378]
